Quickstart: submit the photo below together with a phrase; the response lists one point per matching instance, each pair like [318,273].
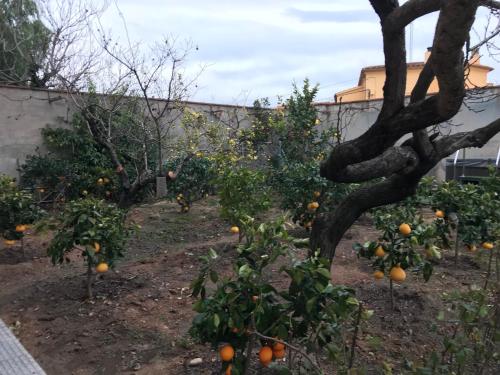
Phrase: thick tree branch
[395,60]
[453,28]
[409,12]
[477,138]
[391,161]
[452,31]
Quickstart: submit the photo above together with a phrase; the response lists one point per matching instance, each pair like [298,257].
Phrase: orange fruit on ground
[378,275]
[265,355]
[487,245]
[405,229]
[397,274]
[97,247]
[278,354]
[440,214]
[379,251]
[278,346]
[228,370]
[102,267]
[9,242]
[235,229]
[226,353]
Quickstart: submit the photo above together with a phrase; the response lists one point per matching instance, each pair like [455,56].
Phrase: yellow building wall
[372,82]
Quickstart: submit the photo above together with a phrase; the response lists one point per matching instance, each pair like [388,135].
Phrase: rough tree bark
[374,154]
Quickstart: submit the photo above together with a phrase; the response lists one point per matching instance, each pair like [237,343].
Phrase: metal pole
[455,165]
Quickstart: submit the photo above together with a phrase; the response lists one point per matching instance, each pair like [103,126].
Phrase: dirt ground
[138,322]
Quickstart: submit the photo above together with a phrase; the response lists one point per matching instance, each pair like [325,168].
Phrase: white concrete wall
[24,112]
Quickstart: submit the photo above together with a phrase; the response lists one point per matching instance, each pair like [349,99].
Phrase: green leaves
[16,207]
[247,300]
[242,192]
[96,226]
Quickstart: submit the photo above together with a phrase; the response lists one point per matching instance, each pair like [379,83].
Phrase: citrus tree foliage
[195,181]
[95,228]
[85,222]
[75,163]
[299,185]
[247,304]
[242,192]
[470,335]
[24,42]
[395,247]
[477,207]
[17,208]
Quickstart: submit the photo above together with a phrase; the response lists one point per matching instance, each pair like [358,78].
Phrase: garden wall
[24,112]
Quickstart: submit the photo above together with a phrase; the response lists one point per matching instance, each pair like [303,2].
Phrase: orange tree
[245,309]
[398,248]
[242,192]
[470,335]
[477,211]
[17,210]
[304,193]
[75,164]
[95,228]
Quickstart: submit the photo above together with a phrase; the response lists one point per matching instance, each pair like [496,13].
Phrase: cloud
[342,16]
[259,48]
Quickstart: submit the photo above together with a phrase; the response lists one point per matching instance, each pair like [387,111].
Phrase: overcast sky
[254,49]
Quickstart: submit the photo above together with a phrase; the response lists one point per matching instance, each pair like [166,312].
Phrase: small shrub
[95,228]
[242,192]
[17,210]
[245,307]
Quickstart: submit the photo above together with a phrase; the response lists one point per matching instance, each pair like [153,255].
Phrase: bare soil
[139,319]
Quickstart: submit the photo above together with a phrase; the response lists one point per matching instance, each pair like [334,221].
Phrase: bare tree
[374,155]
[47,43]
[134,108]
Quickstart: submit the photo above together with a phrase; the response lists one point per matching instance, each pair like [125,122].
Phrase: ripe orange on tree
[397,274]
[313,206]
[471,248]
[235,229]
[487,245]
[21,228]
[440,214]
[265,355]
[378,275]
[226,353]
[278,354]
[278,346]
[405,229]
[379,252]
[317,194]
[97,247]
[102,267]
